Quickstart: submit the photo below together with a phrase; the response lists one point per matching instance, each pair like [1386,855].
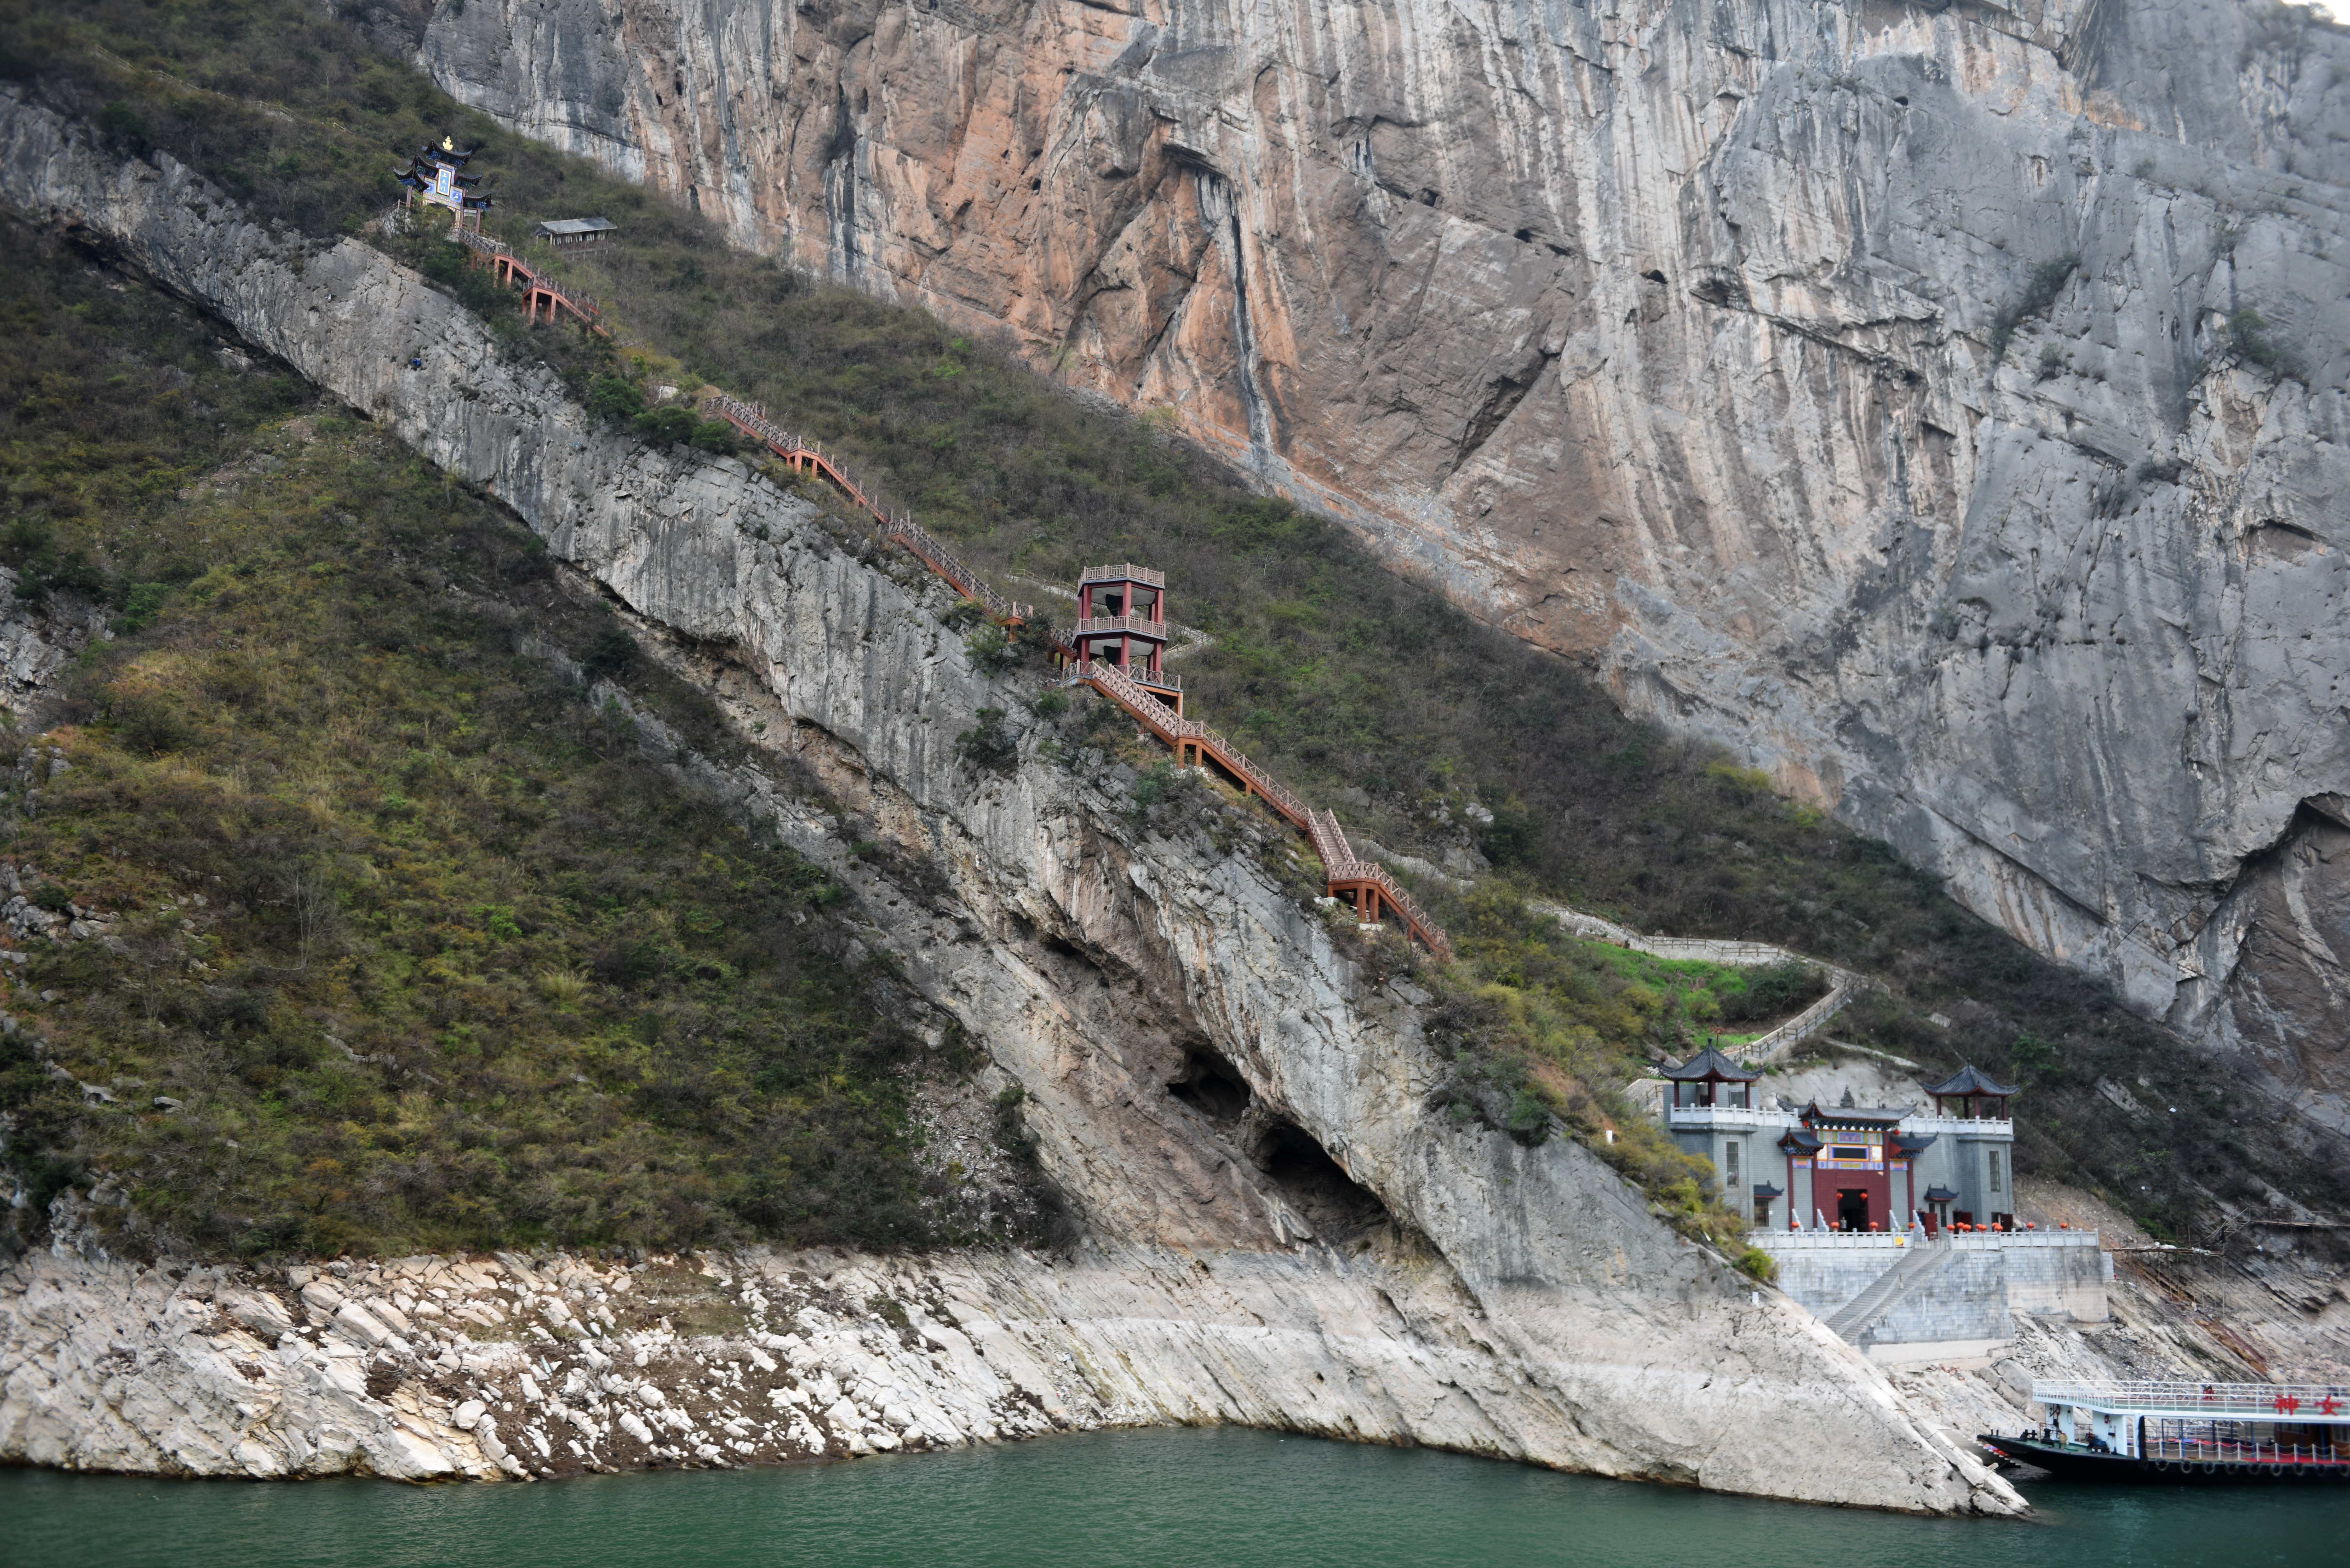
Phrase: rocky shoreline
[488,1368]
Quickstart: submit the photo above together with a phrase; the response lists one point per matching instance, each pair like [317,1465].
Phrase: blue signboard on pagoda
[437,176]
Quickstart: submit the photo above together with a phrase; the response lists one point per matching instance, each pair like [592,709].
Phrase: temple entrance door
[1852,1209]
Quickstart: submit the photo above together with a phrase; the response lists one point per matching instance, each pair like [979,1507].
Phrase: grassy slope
[1361,689]
[429,955]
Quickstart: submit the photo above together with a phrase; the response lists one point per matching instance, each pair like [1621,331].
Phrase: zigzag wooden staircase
[488,250]
[1365,885]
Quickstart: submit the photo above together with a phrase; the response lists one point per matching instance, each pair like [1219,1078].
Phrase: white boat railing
[2327,1403]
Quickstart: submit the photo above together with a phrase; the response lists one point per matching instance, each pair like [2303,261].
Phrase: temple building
[1122,620]
[1846,1167]
[436,176]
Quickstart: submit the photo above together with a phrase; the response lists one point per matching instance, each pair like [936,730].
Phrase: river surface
[1218,1498]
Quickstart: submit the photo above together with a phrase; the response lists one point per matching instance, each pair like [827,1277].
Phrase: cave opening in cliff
[1316,1185]
[1212,1086]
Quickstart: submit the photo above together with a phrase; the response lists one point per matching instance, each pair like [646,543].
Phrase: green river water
[1218,1498]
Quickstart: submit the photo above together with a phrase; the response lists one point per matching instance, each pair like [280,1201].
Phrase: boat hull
[2074,1463]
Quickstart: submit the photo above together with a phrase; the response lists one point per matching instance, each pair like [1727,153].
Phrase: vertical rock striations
[1445,1283]
[1943,406]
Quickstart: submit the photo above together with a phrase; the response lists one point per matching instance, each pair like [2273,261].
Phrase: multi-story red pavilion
[1122,621]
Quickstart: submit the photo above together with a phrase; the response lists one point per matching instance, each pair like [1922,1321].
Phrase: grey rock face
[1867,387]
[1546,1316]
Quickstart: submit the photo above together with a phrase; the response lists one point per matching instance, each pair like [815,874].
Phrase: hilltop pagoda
[436,176]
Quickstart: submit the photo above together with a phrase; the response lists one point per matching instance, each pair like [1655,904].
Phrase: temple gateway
[1895,1225]
[1850,1168]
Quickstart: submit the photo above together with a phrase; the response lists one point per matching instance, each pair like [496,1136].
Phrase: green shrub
[614,399]
[125,130]
[1512,838]
[992,650]
[613,653]
[142,602]
[989,746]
[2247,335]
[671,424]
[715,435]
[1530,1117]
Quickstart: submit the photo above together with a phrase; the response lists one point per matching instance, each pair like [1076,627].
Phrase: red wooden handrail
[1343,869]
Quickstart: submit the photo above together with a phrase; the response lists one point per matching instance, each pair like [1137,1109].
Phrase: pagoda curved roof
[1971,1080]
[1709,1064]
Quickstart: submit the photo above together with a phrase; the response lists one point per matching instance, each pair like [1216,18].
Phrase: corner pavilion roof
[1709,1064]
[1971,1080]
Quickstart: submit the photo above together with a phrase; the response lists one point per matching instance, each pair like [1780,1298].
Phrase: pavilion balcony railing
[1694,1117]
[1989,1126]
[1133,625]
[1125,572]
[2252,1401]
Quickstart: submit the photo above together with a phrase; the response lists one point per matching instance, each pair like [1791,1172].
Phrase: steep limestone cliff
[1942,405]
[1470,1291]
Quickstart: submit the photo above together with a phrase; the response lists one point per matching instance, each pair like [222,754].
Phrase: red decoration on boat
[2287,1404]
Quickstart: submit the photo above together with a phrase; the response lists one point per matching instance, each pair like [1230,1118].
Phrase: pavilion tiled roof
[1971,1080]
[1710,1063]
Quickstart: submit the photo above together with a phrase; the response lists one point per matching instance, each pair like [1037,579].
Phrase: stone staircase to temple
[1924,1259]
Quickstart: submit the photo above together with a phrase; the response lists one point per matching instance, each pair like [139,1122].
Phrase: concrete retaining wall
[1967,1298]
[1825,1273]
[1989,1278]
